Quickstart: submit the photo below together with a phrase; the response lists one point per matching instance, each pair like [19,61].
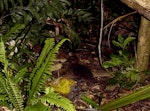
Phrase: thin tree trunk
[143,48]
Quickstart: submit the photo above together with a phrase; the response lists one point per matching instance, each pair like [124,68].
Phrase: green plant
[90,102]
[33,15]
[23,91]
[123,64]
[42,17]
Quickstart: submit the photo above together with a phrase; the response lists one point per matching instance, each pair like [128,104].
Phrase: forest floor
[99,91]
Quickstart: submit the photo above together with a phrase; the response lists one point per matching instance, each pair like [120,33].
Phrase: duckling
[79,70]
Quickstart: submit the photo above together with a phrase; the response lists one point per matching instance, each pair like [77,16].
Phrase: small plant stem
[110,33]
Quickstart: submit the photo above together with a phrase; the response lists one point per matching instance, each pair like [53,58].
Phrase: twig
[135,48]
[111,24]
[109,33]
[6,16]
[119,18]
[101,34]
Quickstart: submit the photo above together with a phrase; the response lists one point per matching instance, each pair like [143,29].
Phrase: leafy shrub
[43,19]
[125,73]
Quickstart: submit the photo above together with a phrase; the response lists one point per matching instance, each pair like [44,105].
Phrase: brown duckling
[79,70]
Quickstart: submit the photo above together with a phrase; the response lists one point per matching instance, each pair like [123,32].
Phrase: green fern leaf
[14,95]
[14,30]
[18,77]
[43,67]
[10,92]
[2,52]
[5,104]
[3,94]
[3,59]
[49,44]
[2,84]
[37,107]
[8,86]
[3,98]
[53,98]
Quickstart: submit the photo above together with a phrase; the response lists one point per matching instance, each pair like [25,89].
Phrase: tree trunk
[142,6]
[143,48]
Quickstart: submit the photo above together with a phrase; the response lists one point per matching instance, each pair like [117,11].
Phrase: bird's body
[79,70]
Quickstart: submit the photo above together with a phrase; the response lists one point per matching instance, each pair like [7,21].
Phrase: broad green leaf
[127,41]
[132,73]
[117,44]
[120,39]
[112,63]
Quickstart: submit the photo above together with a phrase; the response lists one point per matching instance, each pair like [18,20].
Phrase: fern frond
[3,59]
[5,104]
[4,4]
[10,91]
[14,95]
[14,30]
[2,75]
[2,52]
[52,56]
[37,107]
[3,85]
[3,98]
[53,98]
[4,101]
[43,67]
[49,44]
[18,77]
[8,87]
